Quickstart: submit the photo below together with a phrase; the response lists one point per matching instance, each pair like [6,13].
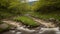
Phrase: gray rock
[52,19]
[4,26]
[49,32]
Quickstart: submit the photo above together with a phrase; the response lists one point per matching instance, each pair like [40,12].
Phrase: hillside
[31,3]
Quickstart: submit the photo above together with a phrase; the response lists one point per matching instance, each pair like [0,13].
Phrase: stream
[39,30]
[22,30]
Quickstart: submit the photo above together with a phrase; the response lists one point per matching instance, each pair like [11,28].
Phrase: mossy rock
[4,27]
[27,21]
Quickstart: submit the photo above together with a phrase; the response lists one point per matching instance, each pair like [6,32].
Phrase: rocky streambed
[39,30]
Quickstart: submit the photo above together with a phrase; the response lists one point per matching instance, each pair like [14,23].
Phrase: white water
[39,32]
[50,29]
[25,29]
[22,30]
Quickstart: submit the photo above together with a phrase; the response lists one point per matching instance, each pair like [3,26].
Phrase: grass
[46,16]
[4,15]
[27,21]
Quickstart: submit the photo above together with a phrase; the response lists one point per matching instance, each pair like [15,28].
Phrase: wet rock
[42,26]
[13,28]
[9,32]
[49,32]
[28,26]
[18,32]
[52,19]
[4,26]
[13,31]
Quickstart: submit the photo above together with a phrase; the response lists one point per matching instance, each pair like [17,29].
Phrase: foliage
[10,8]
[46,9]
[48,6]
[45,16]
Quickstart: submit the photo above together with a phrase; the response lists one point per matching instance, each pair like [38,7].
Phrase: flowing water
[22,30]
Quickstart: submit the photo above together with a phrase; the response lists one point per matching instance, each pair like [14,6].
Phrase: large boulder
[3,26]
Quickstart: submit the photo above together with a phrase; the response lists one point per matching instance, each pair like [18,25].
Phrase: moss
[26,20]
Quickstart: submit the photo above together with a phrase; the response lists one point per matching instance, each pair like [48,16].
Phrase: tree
[13,7]
[47,6]
[9,7]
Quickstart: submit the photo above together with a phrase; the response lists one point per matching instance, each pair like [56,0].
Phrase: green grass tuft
[26,20]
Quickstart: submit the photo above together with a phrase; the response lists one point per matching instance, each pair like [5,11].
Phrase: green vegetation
[46,16]
[46,9]
[26,20]
[10,8]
